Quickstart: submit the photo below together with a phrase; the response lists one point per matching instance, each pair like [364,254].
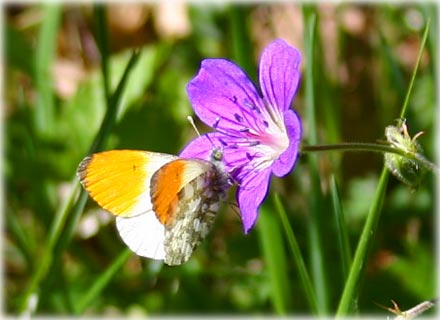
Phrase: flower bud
[406,169]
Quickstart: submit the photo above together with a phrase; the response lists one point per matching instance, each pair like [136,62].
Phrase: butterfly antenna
[191,121]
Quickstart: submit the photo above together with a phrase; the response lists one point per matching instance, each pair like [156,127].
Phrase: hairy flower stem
[371,147]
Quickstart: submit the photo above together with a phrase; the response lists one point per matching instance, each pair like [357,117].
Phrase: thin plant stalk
[31,294]
[100,283]
[341,228]
[367,236]
[315,200]
[297,256]
[45,55]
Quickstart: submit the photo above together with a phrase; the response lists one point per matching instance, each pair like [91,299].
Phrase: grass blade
[341,229]
[297,256]
[65,209]
[45,55]
[413,76]
[348,295]
[102,42]
[315,200]
[102,281]
[272,246]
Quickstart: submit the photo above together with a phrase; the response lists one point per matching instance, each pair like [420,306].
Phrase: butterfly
[164,205]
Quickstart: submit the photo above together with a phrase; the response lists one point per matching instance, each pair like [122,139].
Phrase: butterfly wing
[119,181]
[143,234]
[165,206]
[188,208]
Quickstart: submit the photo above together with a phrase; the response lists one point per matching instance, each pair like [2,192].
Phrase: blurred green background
[55,102]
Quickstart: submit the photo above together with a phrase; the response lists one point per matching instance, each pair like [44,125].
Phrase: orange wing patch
[166,184]
[118,180]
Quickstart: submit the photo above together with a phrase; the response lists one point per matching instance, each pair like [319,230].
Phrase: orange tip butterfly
[164,205]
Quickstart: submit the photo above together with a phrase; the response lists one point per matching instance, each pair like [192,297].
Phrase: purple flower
[257,131]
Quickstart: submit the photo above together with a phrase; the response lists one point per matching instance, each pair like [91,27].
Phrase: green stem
[413,76]
[47,257]
[297,255]
[316,251]
[353,146]
[371,147]
[342,234]
[85,300]
[348,296]
[44,110]
[365,241]
[60,217]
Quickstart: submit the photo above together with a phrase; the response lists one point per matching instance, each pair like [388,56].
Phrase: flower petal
[221,90]
[285,162]
[199,148]
[250,195]
[279,74]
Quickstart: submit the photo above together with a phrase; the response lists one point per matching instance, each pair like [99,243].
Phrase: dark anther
[223,142]
[253,107]
[238,117]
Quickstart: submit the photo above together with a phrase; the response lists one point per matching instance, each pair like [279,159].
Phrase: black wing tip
[82,169]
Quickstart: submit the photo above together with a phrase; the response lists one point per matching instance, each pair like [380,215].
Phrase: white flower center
[262,137]
[273,140]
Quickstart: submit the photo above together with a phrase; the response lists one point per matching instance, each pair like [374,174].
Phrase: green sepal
[406,169]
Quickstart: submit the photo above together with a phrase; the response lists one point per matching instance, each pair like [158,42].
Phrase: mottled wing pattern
[198,202]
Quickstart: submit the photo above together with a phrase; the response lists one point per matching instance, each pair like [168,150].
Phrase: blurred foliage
[365,55]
